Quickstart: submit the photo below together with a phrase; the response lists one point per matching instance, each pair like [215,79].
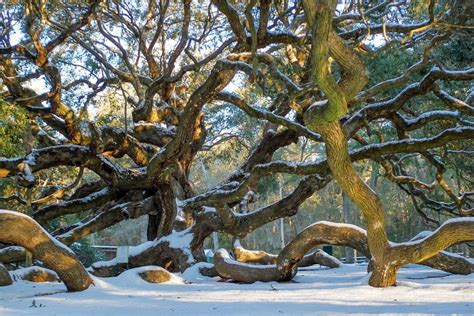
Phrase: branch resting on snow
[341,235]
[261,257]
[45,248]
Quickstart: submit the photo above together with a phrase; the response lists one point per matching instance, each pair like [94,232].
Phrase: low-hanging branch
[305,76]
[45,248]
[284,266]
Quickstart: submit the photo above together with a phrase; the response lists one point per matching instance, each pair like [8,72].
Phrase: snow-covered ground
[314,291]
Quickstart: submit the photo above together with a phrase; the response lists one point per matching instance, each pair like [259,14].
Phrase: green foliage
[110,111]
[13,129]
[86,253]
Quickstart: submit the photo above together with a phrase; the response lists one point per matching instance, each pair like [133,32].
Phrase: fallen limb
[209,272]
[450,262]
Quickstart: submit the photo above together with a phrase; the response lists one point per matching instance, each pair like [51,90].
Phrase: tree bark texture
[19,229]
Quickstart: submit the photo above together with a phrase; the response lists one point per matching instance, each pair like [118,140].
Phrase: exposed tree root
[19,229]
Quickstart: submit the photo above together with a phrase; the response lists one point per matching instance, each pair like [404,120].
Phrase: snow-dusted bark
[172,252]
[261,257]
[17,228]
[155,274]
[293,255]
[229,268]
[12,254]
[35,274]
[313,104]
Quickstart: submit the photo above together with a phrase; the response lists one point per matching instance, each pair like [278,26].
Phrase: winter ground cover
[314,291]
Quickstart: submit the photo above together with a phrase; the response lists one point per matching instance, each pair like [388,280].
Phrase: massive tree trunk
[324,117]
[387,258]
[366,199]
[161,222]
[17,228]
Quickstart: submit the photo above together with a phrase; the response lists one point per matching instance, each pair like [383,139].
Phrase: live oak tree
[167,61]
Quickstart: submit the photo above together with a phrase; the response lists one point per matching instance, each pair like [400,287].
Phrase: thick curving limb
[252,256]
[320,257]
[17,228]
[293,255]
[261,257]
[316,234]
[228,268]
[446,261]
